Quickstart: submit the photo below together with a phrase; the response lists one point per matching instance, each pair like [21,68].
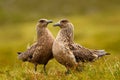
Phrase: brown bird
[67,52]
[41,51]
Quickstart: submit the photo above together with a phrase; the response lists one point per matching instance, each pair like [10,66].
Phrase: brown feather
[41,51]
[67,52]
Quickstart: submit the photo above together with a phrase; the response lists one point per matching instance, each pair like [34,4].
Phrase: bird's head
[67,28]
[62,23]
[43,23]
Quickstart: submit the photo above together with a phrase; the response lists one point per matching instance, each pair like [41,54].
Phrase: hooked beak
[49,21]
[56,24]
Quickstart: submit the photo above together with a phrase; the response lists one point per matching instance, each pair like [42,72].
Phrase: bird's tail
[101,53]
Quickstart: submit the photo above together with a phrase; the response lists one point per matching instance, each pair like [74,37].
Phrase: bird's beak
[56,24]
[49,21]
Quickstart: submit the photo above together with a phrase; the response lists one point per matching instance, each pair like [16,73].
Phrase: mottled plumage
[41,51]
[67,52]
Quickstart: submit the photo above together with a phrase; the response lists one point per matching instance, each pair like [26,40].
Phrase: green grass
[106,68]
[90,31]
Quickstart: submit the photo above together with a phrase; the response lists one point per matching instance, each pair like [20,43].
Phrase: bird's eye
[41,21]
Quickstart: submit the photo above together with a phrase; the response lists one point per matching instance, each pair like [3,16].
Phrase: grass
[90,31]
[106,68]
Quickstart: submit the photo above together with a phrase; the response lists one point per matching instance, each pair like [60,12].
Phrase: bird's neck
[66,35]
[41,32]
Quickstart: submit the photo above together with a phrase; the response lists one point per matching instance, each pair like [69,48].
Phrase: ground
[96,32]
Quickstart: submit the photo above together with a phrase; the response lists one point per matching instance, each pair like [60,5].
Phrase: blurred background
[97,24]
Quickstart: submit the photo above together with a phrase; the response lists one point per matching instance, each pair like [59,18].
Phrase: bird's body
[61,50]
[41,51]
[67,52]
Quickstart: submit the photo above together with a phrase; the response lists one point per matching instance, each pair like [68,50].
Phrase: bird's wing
[31,51]
[69,55]
[81,53]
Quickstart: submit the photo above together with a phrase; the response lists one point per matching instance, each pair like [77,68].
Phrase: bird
[39,52]
[69,53]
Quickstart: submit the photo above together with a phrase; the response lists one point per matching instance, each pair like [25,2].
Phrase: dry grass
[91,32]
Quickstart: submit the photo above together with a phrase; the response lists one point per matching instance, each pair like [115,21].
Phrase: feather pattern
[40,52]
[69,53]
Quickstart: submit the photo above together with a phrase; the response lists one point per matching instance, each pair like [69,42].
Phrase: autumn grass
[106,68]
[90,31]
